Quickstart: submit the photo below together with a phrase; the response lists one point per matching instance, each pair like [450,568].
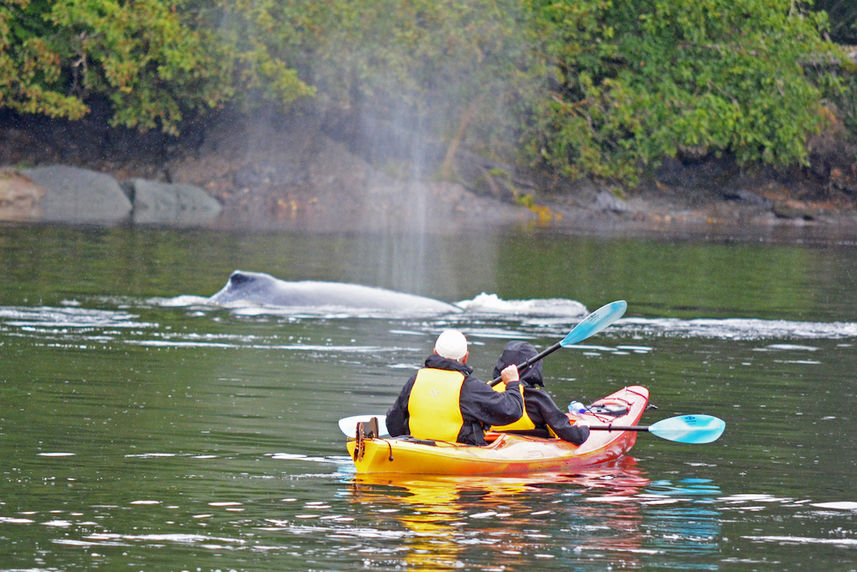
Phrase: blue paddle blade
[689,428]
[595,322]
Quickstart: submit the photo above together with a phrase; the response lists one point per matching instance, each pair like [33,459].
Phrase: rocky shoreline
[295,174]
[74,195]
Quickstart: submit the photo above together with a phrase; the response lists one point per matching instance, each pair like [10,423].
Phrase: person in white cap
[444,401]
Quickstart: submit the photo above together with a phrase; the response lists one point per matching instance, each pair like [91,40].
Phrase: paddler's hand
[583,430]
[509,374]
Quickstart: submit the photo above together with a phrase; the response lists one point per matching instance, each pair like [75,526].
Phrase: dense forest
[604,89]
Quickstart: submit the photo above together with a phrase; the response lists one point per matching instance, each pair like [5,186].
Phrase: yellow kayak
[507,452]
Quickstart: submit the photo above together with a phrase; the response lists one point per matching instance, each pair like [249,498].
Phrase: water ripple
[69,317]
[737,328]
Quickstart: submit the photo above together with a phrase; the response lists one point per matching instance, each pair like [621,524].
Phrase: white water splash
[849,542]
[493,304]
[841,505]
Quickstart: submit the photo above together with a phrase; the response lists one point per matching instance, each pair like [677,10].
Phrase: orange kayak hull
[507,453]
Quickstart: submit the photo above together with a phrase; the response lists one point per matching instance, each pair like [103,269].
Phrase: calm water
[141,428]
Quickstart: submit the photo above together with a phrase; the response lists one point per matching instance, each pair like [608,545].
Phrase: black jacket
[540,407]
[480,405]
[544,412]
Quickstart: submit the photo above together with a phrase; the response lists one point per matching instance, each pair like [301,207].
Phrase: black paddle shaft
[529,362]
[588,326]
[618,428]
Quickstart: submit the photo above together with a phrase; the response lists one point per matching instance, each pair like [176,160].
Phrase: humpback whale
[258,288]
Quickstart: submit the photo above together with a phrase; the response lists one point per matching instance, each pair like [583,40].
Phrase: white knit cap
[451,344]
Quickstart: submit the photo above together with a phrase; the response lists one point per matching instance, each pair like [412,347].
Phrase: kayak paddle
[589,326]
[695,429]
[681,429]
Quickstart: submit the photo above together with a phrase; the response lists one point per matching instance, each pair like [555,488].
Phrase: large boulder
[171,204]
[78,195]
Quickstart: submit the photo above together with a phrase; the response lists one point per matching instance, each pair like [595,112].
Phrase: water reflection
[612,515]
[433,513]
[453,521]
[683,516]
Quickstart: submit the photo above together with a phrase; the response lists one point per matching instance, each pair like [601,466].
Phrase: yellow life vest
[434,407]
[524,423]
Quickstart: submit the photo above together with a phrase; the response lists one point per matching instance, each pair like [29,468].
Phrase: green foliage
[843,19]
[839,82]
[633,82]
[29,69]
[153,59]
[449,69]
[138,54]
[843,92]
[254,41]
[601,88]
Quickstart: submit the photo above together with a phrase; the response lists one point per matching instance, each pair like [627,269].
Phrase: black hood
[519,352]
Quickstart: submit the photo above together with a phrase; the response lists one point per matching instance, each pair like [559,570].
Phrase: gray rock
[747,197]
[606,201]
[78,195]
[166,203]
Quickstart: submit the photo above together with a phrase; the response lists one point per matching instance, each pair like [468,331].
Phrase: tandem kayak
[507,453]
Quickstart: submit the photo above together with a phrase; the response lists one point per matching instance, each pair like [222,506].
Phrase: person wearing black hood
[540,412]
[444,401]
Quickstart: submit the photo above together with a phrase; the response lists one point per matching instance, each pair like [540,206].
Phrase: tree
[629,83]
[600,88]
[30,70]
[843,19]
[154,60]
[443,70]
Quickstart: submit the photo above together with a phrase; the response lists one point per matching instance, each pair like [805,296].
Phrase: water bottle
[576,407]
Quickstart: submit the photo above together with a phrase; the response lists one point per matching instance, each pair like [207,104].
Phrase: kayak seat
[365,430]
[368,429]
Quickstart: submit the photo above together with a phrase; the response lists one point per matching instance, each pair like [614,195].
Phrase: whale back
[259,288]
